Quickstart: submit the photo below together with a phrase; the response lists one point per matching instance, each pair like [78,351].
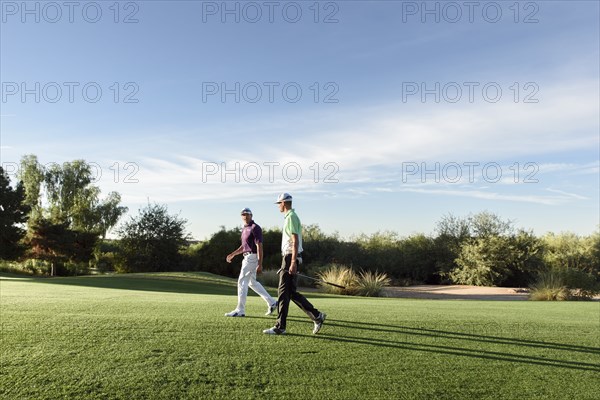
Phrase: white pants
[248,279]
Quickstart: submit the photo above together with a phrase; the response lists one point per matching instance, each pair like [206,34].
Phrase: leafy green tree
[319,248]
[109,212]
[486,224]
[213,252]
[485,247]
[69,196]
[66,214]
[70,193]
[418,259]
[13,214]
[526,260]
[31,173]
[576,260]
[152,240]
[452,231]
[379,251]
[495,260]
[482,262]
[567,251]
[594,245]
[453,227]
[57,244]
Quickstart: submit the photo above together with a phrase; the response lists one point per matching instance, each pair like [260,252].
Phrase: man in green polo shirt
[291,250]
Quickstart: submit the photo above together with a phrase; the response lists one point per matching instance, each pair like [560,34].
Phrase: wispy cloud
[564,119]
[368,151]
[489,195]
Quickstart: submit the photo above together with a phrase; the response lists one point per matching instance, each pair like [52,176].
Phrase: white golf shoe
[235,313]
[274,331]
[319,323]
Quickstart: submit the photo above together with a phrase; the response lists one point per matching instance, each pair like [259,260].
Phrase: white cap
[283,197]
[246,211]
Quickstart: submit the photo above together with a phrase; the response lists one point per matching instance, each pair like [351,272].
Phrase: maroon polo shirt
[251,236]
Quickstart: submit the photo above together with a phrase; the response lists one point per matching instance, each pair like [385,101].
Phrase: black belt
[248,253]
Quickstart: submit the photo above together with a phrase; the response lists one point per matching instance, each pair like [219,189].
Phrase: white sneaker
[274,331]
[319,323]
[272,308]
[235,313]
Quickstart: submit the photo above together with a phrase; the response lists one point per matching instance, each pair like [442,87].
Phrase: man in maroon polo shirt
[252,250]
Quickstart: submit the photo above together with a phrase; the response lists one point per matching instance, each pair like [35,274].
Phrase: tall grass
[365,283]
[371,284]
[340,275]
[550,286]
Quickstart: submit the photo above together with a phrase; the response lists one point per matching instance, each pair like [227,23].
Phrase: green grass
[164,336]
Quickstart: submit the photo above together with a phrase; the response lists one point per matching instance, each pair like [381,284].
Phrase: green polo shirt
[291,225]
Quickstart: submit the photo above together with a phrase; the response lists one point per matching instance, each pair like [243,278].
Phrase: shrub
[30,266]
[582,285]
[567,250]
[340,275]
[549,286]
[15,267]
[371,284]
[150,242]
[71,268]
[36,267]
[268,277]
[482,262]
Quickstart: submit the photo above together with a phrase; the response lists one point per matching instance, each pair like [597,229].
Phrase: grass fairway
[164,336]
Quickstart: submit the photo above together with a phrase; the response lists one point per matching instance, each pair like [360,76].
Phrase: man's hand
[230,258]
[293,268]
[259,268]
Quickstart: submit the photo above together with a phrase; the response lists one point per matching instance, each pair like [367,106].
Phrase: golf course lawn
[164,336]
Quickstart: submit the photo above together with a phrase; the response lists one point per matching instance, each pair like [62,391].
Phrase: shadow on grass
[462,336]
[458,351]
[175,282]
[200,284]
[409,344]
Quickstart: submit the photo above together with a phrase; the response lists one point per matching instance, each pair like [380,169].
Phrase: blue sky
[410,118]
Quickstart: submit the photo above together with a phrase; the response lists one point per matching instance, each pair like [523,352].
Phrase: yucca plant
[550,286]
[371,284]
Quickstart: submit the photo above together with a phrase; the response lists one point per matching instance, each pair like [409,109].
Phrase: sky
[374,115]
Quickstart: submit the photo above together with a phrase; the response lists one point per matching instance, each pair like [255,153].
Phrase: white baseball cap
[283,197]
[246,211]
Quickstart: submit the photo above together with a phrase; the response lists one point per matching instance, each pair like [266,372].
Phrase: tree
[486,224]
[567,250]
[66,215]
[57,244]
[13,214]
[418,258]
[151,241]
[70,196]
[453,227]
[212,254]
[482,262]
[527,259]
[31,173]
[109,211]
[452,232]
[495,260]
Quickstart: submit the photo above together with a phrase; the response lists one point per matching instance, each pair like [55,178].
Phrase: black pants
[288,291]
